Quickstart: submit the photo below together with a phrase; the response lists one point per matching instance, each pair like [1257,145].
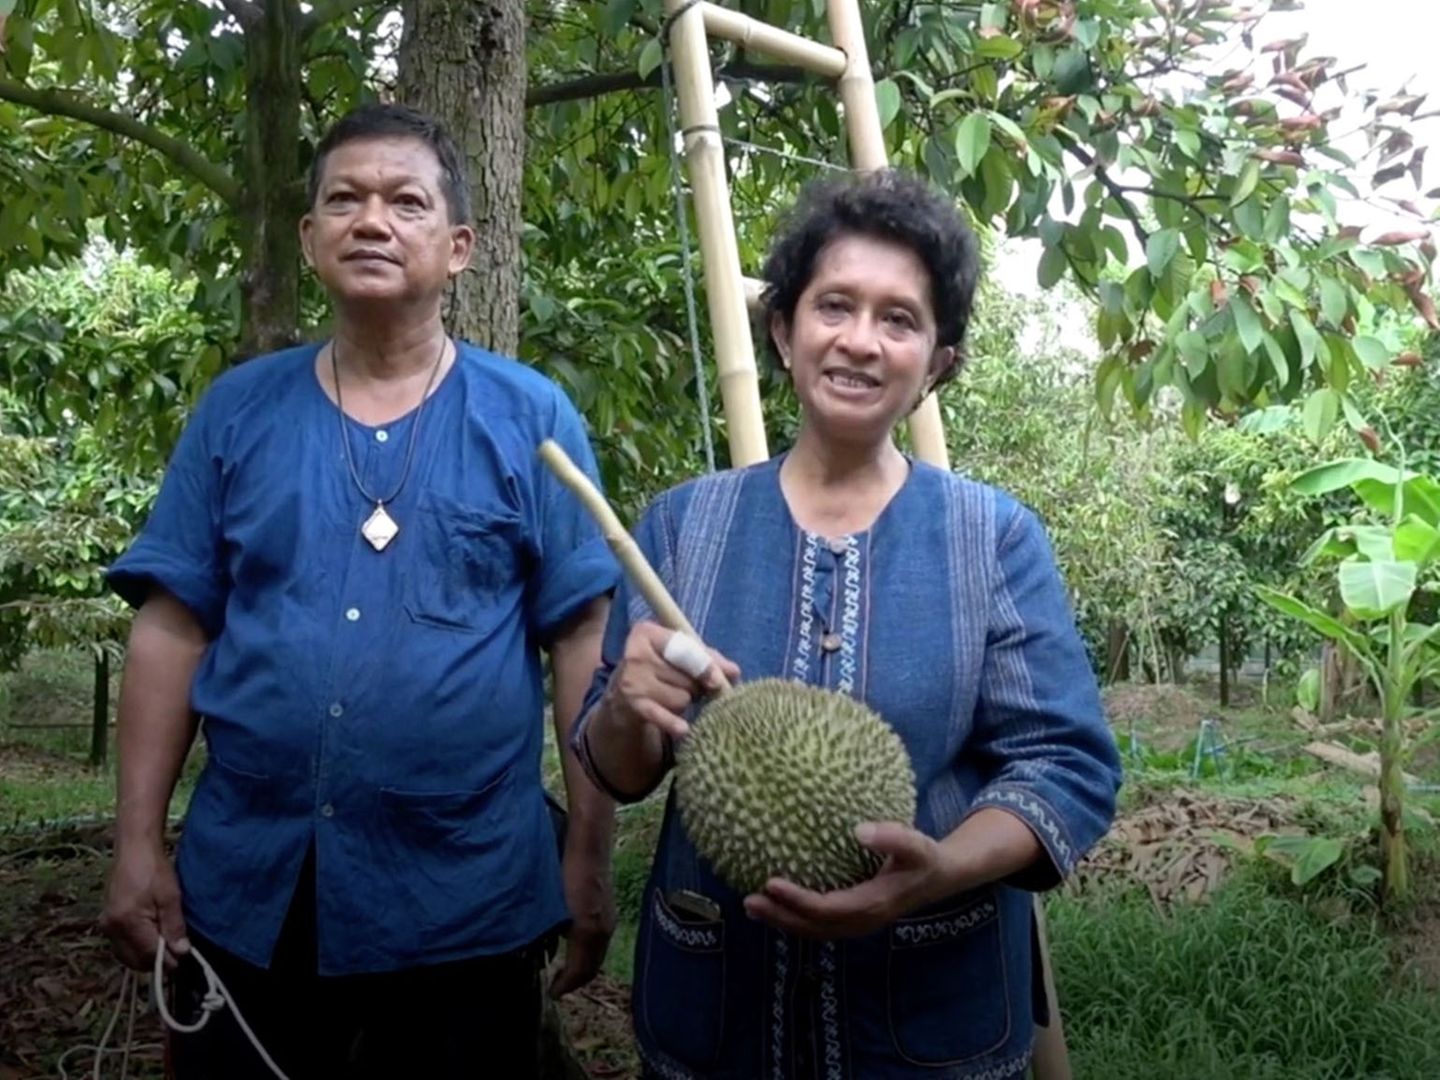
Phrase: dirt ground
[59,983]
[1163,716]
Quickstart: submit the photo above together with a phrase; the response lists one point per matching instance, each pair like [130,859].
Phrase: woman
[935,600]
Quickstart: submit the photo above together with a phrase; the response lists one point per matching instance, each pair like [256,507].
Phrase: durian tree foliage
[79,466]
[1201,211]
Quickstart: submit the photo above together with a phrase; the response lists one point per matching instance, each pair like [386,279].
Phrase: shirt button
[839,546]
[327,810]
[353,614]
[337,709]
[830,642]
[382,435]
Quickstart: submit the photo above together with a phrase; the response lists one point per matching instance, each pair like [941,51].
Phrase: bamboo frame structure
[775,43]
[730,294]
[867,153]
[720,253]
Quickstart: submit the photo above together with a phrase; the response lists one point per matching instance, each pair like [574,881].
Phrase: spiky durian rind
[774,777]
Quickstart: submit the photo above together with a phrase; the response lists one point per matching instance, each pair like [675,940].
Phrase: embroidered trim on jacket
[777,1008]
[694,937]
[1039,815]
[850,617]
[834,1053]
[1003,1071]
[804,643]
[947,927]
[664,1068]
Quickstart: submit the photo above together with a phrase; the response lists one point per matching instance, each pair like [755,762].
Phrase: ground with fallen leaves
[59,983]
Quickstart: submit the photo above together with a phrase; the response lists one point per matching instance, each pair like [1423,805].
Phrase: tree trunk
[274,187]
[100,714]
[1117,651]
[1332,682]
[464,64]
[1224,661]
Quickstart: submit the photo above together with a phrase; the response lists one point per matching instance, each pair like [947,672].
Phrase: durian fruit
[775,775]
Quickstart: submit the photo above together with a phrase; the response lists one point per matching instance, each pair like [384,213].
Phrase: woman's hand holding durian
[918,871]
[642,708]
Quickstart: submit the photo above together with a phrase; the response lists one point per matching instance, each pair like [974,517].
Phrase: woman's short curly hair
[888,205]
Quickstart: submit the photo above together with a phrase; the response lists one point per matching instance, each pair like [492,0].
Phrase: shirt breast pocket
[470,571]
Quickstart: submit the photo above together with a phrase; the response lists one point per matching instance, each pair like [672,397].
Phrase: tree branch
[1117,191]
[327,11]
[591,86]
[60,103]
[243,12]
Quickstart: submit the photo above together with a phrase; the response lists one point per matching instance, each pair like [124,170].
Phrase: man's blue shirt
[385,706]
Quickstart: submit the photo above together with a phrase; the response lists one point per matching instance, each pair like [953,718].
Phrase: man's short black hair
[887,205]
[384,121]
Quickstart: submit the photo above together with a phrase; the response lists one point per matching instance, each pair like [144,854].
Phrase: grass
[45,776]
[1255,985]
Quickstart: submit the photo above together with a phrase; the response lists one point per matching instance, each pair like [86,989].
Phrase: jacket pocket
[946,991]
[469,576]
[681,969]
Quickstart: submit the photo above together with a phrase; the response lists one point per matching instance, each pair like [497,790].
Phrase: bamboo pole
[724,288]
[773,42]
[1052,1056]
[627,552]
[867,153]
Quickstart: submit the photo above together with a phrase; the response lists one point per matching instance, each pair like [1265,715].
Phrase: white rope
[128,991]
[217,996]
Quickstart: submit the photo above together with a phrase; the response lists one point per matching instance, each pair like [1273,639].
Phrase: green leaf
[1053,265]
[1306,335]
[1334,301]
[1247,323]
[1422,497]
[1327,625]
[1372,351]
[999,48]
[650,57]
[1277,221]
[1194,351]
[1372,590]
[972,140]
[1345,472]
[1268,420]
[1160,248]
[887,101]
[1372,541]
[1321,410]
[1353,416]
[1010,128]
[617,15]
[1307,856]
[1416,540]
[1245,187]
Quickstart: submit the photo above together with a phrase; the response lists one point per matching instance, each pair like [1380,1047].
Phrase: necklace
[380,528]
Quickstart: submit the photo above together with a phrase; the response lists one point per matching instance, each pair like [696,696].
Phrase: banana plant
[1382,563]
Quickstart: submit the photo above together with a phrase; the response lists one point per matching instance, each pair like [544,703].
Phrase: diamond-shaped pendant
[379,528]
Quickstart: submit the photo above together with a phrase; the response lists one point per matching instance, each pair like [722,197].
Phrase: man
[353,564]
